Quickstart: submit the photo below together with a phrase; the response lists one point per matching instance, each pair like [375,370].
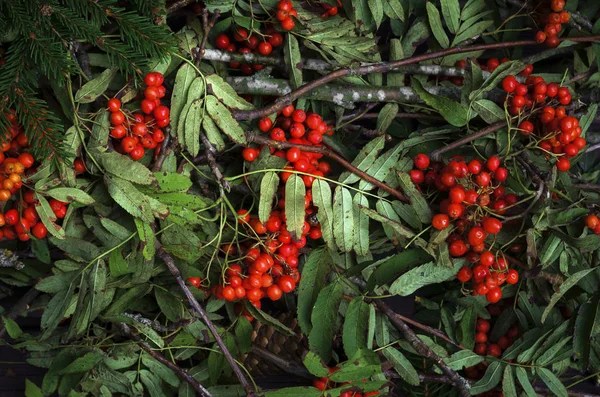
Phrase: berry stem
[469,138]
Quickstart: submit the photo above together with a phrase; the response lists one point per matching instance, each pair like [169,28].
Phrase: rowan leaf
[509,389]
[343,219]
[463,359]
[130,199]
[183,80]
[312,281]
[225,93]
[354,334]
[490,379]
[291,55]
[524,381]
[268,189]
[382,166]
[553,383]
[450,110]
[193,123]
[385,118]
[47,217]
[91,90]
[570,282]
[295,191]
[364,159]
[223,118]
[324,320]
[402,366]
[322,199]
[423,275]
[451,13]
[435,23]
[70,195]
[126,169]
[361,232]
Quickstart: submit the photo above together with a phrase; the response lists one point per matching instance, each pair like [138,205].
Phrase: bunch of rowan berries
[330,10]
[262,43]
[593,222]
[546,120]
[553,24]
[475,194]
[489,65]
[285,12]
[324,383]
[134,131]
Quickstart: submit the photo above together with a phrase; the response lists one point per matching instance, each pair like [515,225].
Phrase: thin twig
[461,384]
[401,115]
[20,307]
[164,255]
[382,67]
[209,152]
[429,330]
[165,149]
[587,186]
[184,375]
[252,137]
[469,138]
[206,27]
[177,5]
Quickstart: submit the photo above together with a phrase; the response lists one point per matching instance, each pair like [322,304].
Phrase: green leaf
[391,223]
[394,9]
[160,369]
[402,366]
[312,281]
[463,359]
[361,232]
[268,189]
[125,299]
[553,383]
[584,328]
[223,118]
[343,219]
[126,168]
[466,334]
[472,31]
[243,333]
[294,205]
[364,364]
[324,320]
[296,391]
[212,134]
[12,328]
[47,217]
[386,116]
[423,275]
[91,90]
[524,381]
[382,166]
[322,199]
[70,195]
[488,110]
[117,265]
[130,199]
[83,363]
[505,69]
[151,382]
[32,390]
[570,282]
[97,284]
[508,383]
[191,128]
[376,7]
[490,379]
[291,55]
[315,365]
[147,238]
[417,200]
[225,93]
[270,321]
[169,305]
[393,266]
[435,23]
[451,13]
[364,159]
[354,335]
[56,282]
[586,120]
[183,80]
[450,110]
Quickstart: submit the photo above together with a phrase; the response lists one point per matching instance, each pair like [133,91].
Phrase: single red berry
[457,248]
[509,84]
[288,24]
[440,221]
[265,48]
[494,349]
[476,236]
[421,161]
[512,277]
[222,41]
[417,176]
[464,274]
[563,164]
[250,154]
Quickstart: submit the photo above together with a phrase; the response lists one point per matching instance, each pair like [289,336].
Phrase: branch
[179,4]
[587,186]
[382,67]
[164,255]
[165,149]
[206,27]
[209,152]
[252,137]
[20,307]
[458,381]
[184,375]
[476,135]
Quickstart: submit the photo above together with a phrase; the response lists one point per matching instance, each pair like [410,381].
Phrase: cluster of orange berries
[324,383]
[489,66]
[137,131]
[484,346]
[13,160]
[593,222]
[247,43]
[330,10]
[285,12]
[556,132]
[474,189]
[554,22]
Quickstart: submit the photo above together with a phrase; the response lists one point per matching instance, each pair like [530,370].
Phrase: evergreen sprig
[40,35]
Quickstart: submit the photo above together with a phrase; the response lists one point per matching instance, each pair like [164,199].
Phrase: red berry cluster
[262,45]
[592,222]
[489,66]
[553,24]
[474,189]
[140,131]
[325,383]
[330,10]
[285,12]
[555,132]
